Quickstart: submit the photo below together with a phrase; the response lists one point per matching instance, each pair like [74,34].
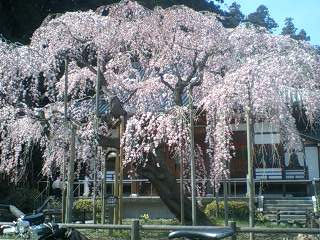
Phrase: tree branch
[165,82]
[130,96]
[91,68]
[194,70]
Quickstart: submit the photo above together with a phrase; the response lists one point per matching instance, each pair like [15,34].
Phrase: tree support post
[104,190]
[121,131]
[97,116]
[65,157]
[69,204]
[225,202]
[250,180]
[135,227]
[233,226]
[181,191]
[116,190]
[192,161]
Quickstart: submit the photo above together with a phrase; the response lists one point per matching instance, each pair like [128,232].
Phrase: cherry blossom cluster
[146,132]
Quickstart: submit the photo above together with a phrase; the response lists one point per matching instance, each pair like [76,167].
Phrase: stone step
[287,198]
[288,204]
[286,212]
[298,218]
[268,207]
[291,210]
[280,201]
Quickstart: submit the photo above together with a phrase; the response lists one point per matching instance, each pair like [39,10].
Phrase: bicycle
[203,234]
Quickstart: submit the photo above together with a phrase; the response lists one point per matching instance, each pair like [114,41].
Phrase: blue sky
[306,13]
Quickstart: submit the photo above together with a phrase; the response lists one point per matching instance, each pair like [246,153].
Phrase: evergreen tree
[302,35]
[261,17]
[234,16]
[290,29]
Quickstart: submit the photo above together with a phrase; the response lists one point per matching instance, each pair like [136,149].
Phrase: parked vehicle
[36,226]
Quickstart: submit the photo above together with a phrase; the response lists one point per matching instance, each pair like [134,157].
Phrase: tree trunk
[168,189]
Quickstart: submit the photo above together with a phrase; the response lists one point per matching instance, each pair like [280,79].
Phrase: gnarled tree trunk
[169,191]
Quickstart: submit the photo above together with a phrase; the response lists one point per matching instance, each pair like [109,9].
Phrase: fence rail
[135,228]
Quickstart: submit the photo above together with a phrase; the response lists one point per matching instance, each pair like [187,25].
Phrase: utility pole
[65,156]
[97,115]
[69,204]
[250,180]
[192,161]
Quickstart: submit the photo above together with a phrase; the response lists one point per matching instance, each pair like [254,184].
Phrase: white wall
[312,161]
[267,138]
[265,133]
[258,127]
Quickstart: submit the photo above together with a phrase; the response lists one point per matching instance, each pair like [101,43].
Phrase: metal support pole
[192,161]
[250,180]
[65,157]
[69,204]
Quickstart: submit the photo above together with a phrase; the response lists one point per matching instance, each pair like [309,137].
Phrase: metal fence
[143,187]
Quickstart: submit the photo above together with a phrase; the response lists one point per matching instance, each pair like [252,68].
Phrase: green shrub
[237,210]
[82,206]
